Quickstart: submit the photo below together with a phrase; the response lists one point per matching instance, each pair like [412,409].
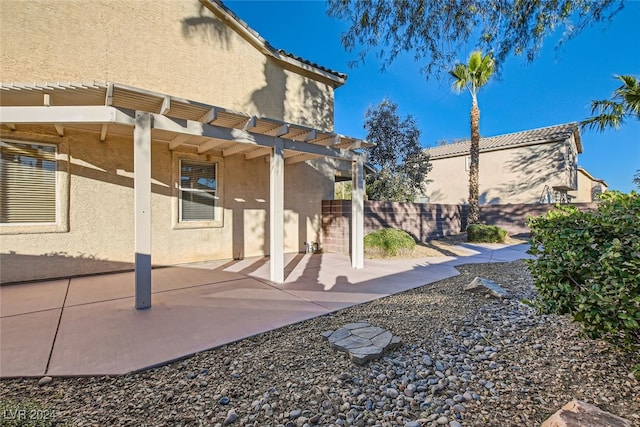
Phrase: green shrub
[588,266]
[481,233]
[388,242]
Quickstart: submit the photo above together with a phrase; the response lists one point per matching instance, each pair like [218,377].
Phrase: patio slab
[32,297]
[26,343]
[181,322]
[195,308]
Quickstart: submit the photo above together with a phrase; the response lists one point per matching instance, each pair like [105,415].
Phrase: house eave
[334,79]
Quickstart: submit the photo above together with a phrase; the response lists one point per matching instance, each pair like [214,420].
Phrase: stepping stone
[368,332]
[487,286]
[362,341]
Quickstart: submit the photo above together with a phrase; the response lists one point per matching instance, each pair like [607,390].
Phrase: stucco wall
[175,47]
[100,224]
[182,49]
[588,189]
[516,175]
[424,221]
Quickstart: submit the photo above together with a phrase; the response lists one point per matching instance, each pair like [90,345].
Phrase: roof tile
[528,137]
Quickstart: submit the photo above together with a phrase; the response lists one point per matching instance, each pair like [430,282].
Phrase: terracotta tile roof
[501,142]
[276,51]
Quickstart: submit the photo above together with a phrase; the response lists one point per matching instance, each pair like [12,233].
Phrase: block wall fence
[424,221]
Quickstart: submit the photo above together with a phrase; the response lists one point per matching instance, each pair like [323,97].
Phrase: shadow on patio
[89,326]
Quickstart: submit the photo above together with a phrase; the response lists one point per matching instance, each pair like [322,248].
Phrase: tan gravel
[291,377]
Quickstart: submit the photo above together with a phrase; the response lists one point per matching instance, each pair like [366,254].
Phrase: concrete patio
[89,326]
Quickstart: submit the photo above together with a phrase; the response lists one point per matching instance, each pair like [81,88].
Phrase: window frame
[61,184]
[178,222]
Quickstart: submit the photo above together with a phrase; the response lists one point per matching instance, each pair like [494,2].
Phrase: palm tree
[472,76]
[625,102]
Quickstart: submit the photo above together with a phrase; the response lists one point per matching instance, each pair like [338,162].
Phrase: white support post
[142,208]
[357,214]
[276,212]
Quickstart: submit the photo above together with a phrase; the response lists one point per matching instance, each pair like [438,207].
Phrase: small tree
[401,162]
[472,76]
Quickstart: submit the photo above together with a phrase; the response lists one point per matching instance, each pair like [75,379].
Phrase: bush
[588,266]
[388,242]
[481,233]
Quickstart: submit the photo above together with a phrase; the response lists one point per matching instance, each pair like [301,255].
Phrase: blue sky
[556,88]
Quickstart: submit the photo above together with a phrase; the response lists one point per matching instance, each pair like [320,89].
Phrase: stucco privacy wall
[423,221]
[588,188]
[100,236]
[514,175]
[177,47]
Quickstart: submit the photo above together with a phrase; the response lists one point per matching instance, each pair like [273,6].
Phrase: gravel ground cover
[466,360]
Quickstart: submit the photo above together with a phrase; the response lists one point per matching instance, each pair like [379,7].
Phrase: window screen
[198,186]
[27,183]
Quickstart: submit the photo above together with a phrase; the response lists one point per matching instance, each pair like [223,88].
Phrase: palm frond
[474,74]
[475,61]
[461,77]
[629,93]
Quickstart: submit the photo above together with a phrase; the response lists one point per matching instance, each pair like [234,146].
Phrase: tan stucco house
[533,166]
[159,131]
[588,187]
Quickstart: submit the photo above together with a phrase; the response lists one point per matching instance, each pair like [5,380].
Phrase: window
[198,191]
[467,163]
[27,183]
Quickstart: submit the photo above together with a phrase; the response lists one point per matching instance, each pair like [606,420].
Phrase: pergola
[116,109]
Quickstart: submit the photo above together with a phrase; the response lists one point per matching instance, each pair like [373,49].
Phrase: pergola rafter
[186,123]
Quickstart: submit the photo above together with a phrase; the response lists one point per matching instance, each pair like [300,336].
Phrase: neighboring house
[174,134]
[533,166]
[588,187]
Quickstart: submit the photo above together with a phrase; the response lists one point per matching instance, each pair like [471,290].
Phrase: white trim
[357,214]
[176,159]
[93,114]
[62,177]
[276,212]
[65,115]
[181,190]
[191,127]
[142,208]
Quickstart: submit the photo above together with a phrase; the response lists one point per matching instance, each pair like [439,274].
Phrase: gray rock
[486,286]
[351,342]
[369,332]
[231,418]
[44,381]
[357,325]
[382,340]
[338,335]
[392,393]
[295,414]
